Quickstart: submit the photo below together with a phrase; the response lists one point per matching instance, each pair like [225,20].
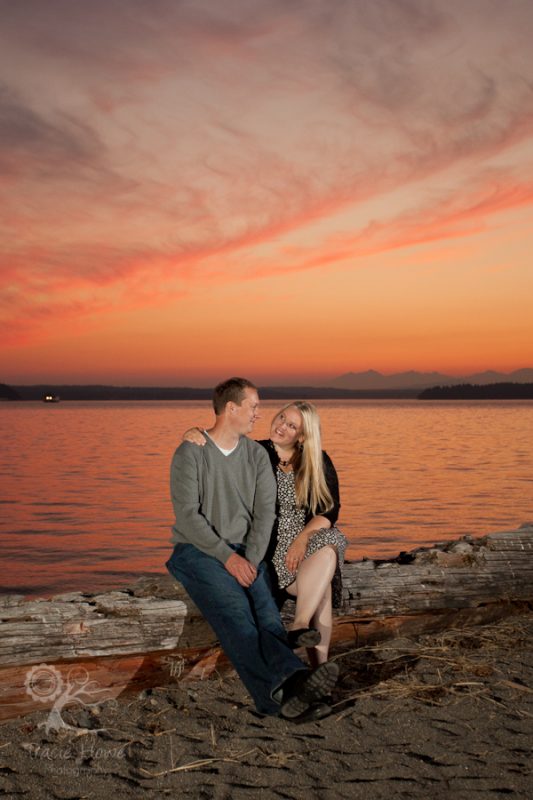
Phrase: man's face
[246,415]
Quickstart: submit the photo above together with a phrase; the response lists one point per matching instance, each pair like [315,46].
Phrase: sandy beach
[446,716]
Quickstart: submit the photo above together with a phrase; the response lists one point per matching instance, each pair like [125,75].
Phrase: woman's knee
[327,555]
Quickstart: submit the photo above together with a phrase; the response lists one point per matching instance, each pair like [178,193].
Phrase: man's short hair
[230,391]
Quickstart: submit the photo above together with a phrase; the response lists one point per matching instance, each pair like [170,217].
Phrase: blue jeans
[246,621]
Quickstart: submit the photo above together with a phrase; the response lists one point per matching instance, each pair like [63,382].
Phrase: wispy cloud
[29,141]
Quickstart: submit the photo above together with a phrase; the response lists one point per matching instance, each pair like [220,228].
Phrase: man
[224,501]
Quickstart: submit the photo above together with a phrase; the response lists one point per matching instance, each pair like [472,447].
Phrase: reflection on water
[84,499]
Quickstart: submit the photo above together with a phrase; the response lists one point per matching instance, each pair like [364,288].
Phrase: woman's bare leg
[322,620]
[313,581]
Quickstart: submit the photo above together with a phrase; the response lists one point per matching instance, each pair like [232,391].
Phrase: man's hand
[242,570]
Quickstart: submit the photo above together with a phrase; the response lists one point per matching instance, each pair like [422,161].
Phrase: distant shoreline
[138,393]
[495,391]
[490,391]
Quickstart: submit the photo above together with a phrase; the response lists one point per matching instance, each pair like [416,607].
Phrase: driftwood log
[87,648]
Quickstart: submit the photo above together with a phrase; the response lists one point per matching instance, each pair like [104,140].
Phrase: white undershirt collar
[223,450]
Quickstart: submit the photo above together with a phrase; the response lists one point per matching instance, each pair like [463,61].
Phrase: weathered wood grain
[75,626]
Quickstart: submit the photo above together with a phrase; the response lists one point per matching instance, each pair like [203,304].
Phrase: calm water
[84,498]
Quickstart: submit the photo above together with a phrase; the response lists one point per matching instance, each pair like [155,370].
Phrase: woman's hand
[194,436]
[296,553]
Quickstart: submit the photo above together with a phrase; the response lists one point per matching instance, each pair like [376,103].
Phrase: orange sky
[286,191]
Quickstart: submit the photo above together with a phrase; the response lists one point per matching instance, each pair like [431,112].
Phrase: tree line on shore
[469,391]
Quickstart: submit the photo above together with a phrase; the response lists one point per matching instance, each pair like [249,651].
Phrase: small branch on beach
[513,685]
[204,762]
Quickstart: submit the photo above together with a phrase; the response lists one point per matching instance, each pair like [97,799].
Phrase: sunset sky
[285,189]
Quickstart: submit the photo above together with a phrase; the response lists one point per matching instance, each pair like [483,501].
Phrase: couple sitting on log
[229,494]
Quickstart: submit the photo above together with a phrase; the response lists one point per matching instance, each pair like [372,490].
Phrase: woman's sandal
[303,637]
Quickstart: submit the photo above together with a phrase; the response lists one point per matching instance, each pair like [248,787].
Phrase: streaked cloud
[152,149]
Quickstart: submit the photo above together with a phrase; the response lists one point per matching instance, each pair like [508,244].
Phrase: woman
[306,550]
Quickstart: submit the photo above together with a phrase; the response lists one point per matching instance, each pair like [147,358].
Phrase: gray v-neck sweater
[221,499]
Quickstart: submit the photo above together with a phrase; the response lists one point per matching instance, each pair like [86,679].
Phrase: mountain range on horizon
[369,384]
[373,380]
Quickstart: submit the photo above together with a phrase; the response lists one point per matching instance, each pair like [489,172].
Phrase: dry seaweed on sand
[437,669]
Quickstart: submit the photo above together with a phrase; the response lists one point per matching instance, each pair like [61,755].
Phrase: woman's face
[287,428]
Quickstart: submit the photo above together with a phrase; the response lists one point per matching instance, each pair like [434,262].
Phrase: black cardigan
[331,480]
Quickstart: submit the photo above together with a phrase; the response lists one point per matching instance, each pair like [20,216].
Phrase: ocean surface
[84,487]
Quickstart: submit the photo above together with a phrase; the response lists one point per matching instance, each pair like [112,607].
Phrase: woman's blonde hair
[308,464]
